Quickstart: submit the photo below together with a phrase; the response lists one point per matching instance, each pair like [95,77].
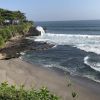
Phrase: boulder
[33,32]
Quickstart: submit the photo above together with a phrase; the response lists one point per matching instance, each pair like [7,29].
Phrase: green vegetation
[12,23]
[12,93]
[11,17]
[13,30]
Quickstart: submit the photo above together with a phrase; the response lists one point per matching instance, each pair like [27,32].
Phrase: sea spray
[40,29]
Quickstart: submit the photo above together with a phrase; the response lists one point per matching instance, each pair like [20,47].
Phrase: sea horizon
[66,20]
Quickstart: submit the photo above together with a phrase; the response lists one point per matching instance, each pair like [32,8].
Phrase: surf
[88,43]
[93,65]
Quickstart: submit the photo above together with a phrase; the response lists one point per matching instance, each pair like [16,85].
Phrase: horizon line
[67,20]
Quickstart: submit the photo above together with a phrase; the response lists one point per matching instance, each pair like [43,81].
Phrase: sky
[55,10]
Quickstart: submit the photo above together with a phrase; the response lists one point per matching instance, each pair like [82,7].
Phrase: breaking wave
[88,43]
[40,29]
[94,65]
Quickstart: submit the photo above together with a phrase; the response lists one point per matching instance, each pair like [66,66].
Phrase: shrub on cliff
[12,93]
[13,30]
[1,41]
[25,27]
[20,29]
[6,34]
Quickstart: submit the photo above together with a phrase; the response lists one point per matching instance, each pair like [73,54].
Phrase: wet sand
[17,71]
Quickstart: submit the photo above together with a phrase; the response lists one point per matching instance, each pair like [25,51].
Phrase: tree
[20,16]
[12,16]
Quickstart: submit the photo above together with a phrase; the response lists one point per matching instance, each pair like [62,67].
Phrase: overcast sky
[51,10]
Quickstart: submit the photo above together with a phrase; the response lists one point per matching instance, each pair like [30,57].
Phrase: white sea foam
[54,46]
[40,29]
[93,65]
[22,53]
[88,43]
[91,77]
[56,65]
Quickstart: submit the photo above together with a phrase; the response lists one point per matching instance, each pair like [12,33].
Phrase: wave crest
[88,43]
[93,65]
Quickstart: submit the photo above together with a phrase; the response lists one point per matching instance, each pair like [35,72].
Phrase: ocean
[76,50]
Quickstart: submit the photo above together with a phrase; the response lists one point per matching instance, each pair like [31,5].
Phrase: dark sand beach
[17,71]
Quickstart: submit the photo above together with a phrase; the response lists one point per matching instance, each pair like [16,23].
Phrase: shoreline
[16,46]
[16,71]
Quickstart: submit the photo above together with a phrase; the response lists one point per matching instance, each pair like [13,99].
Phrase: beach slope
[17,71]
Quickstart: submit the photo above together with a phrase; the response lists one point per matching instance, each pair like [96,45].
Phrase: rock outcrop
[36,31]
[15,48]
[33,32]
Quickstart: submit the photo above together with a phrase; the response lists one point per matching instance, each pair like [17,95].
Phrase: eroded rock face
[33,32]
[36,31]
[14,50]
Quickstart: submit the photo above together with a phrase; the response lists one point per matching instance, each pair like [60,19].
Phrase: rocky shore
[16,45]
